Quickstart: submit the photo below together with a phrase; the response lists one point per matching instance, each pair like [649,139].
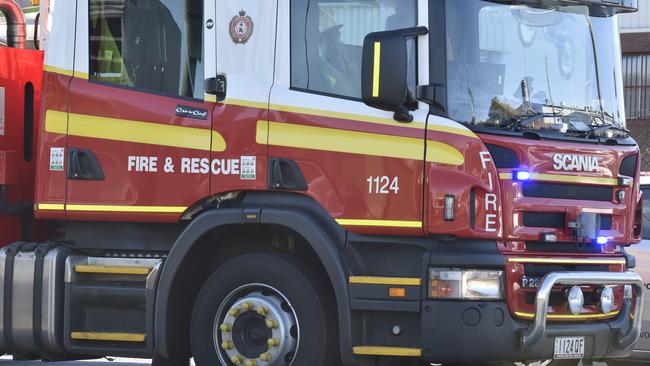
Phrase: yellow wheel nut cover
[236,360]
[227,345]
[266,357]
[234,313]
[272,324]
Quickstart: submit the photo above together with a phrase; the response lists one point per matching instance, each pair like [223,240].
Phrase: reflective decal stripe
[129,209]
[376,71]
[57,70]
[111,208]
[133,131]
[390,281]
[380,223]
[567,260]
[362,143]
[569,316]
[122,270]
[65,72]
[108,337]
[209,98]
[387,351]
[542,177]
[51,207]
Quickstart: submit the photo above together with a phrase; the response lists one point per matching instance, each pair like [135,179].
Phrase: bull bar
[537,330]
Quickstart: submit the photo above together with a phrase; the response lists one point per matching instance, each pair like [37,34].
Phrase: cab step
[109,307]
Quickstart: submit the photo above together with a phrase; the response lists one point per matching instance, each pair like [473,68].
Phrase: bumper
[466,331]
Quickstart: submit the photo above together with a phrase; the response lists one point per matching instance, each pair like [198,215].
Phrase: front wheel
[264,309]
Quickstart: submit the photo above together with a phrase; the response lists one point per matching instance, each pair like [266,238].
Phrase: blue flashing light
[522,176]
[602,240]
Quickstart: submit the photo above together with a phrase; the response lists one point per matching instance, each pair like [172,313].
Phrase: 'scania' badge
[241,28]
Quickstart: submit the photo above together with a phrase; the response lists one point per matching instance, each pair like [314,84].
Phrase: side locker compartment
[109,306]
[31,280]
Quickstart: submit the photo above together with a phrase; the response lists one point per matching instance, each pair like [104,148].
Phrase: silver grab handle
[538,329]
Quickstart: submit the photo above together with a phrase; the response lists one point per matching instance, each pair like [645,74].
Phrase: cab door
[139,129]
[358,163]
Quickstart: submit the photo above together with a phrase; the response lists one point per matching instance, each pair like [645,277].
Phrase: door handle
[83,165]
[217,86]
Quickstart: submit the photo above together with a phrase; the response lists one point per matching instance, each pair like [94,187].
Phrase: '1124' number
[383,185]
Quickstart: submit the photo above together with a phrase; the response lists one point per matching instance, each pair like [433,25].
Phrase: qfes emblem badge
[241,28]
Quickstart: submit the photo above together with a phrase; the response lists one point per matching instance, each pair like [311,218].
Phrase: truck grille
[568,191]
[557,220]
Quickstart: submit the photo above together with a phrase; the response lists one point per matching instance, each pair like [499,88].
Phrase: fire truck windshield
[516,68]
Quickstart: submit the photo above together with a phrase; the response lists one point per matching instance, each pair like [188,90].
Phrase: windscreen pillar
[16,27]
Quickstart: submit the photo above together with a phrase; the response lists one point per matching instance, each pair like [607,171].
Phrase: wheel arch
[295,212]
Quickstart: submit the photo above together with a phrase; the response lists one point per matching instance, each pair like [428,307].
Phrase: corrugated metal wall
[636,22]
[636,74]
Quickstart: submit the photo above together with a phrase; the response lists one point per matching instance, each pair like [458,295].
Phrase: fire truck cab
[318,182]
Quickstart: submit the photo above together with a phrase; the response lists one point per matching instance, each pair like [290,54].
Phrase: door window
[327,41]
[152,45]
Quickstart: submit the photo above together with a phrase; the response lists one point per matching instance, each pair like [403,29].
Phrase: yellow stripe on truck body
[353,142]
[377,70]
[133,131]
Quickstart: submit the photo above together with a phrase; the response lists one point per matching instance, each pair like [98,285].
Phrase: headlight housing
[465,284]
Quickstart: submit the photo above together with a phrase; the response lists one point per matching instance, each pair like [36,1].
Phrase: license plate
[569,348]
[530,282]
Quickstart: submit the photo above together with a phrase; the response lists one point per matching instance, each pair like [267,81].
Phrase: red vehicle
[318,182]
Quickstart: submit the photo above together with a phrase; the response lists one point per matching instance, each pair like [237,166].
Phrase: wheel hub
[256,328]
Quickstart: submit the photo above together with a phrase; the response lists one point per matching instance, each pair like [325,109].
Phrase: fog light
[450,207]
[465,284]
[620,196]
[576,300]
[601,240]
[606,300]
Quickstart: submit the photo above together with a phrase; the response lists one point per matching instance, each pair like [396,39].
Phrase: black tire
[307,292]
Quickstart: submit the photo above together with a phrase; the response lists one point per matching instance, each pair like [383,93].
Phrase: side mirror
[384,70]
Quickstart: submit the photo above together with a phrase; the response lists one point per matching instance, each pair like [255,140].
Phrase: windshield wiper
[523,122]
[598,130]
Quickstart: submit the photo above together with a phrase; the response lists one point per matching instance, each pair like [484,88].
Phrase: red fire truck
[317,182]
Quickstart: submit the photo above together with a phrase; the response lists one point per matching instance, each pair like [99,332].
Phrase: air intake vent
[545,219]
[568,191]
[628,166]
[504,158]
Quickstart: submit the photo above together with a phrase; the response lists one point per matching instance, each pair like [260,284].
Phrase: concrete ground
[120,362]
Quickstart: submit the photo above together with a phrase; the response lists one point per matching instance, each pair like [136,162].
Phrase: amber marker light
[399,292]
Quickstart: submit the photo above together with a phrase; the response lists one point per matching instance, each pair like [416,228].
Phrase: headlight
[576,299]
[447,283]
[606,300]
